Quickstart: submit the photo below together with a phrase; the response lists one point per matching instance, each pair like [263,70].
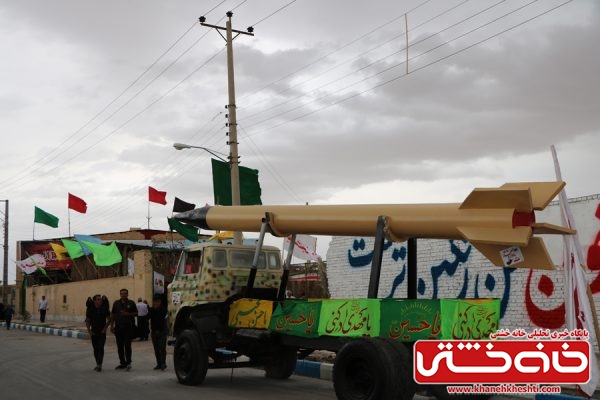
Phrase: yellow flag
[221,236]
[60,251]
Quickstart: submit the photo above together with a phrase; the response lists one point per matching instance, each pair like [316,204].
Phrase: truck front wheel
[282,364]
[190,358]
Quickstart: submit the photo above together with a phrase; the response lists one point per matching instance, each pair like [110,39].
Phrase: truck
[227,305]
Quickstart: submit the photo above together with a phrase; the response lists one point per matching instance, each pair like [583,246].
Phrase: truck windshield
[244,258]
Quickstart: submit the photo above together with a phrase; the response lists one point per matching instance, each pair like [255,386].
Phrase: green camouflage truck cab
[212,274]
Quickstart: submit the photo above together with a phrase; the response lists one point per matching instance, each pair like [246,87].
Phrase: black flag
[182,206]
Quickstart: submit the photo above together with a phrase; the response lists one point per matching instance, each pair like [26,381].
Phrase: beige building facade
[144,252]
[66,301]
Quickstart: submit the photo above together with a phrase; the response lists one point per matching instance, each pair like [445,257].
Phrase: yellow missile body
[499,222]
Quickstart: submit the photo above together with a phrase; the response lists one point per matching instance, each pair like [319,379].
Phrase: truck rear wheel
[364,370]
[401,367]
[190,358]
[283,364]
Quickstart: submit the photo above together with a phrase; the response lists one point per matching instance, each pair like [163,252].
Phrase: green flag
[187,231]
[105,255]
[250,190]
[73,248]
[42,217]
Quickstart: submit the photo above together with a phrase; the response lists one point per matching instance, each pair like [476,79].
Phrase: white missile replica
[499,222]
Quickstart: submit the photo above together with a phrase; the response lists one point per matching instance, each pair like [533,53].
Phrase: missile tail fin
[500,236]
[515,198]
[534,256]
[542,193]
[542,228]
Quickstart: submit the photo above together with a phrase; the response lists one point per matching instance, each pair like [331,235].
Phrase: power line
[306,66]
[379,60]
[255,104]
[273,13]
[239,5]
[31,168]
[212,9]
[280,179]
[59,146]
[127,121]
[414,70]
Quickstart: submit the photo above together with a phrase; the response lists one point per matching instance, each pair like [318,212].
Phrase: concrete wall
[66,301]
[454,269]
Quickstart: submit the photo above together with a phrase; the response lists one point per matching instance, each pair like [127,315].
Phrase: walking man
[142,318]
[42,308]
[122,325]
[158,324]
[97,320]
[8,314]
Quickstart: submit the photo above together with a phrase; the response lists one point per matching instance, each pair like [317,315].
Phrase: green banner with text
[469,319]
[297,317]
[352,317]
[410,320]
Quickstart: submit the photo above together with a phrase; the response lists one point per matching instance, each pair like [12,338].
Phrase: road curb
[315,369]
[48,330]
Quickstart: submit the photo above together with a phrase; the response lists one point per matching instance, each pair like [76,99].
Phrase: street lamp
[183,146]
[235,180]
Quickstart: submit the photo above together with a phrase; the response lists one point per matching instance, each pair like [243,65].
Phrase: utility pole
[234,159]
[5,272]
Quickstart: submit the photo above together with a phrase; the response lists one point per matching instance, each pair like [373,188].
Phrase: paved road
[36,366]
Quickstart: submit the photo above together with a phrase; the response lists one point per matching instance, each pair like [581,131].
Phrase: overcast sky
[326,110]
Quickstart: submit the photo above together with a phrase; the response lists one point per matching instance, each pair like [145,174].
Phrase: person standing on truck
[97,321]
[158,323]
[122,324]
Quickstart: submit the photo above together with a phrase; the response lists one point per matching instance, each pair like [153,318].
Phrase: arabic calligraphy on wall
[460,252]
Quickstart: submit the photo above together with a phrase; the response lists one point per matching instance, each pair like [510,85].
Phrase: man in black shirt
[158,324]
[122,320]
[97,320]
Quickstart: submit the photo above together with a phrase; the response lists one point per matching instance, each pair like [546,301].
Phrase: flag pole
[578,266]
[33,235]
[69,219]
[148,217]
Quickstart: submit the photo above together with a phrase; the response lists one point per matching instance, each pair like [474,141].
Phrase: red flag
[156,196]
[77,204]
